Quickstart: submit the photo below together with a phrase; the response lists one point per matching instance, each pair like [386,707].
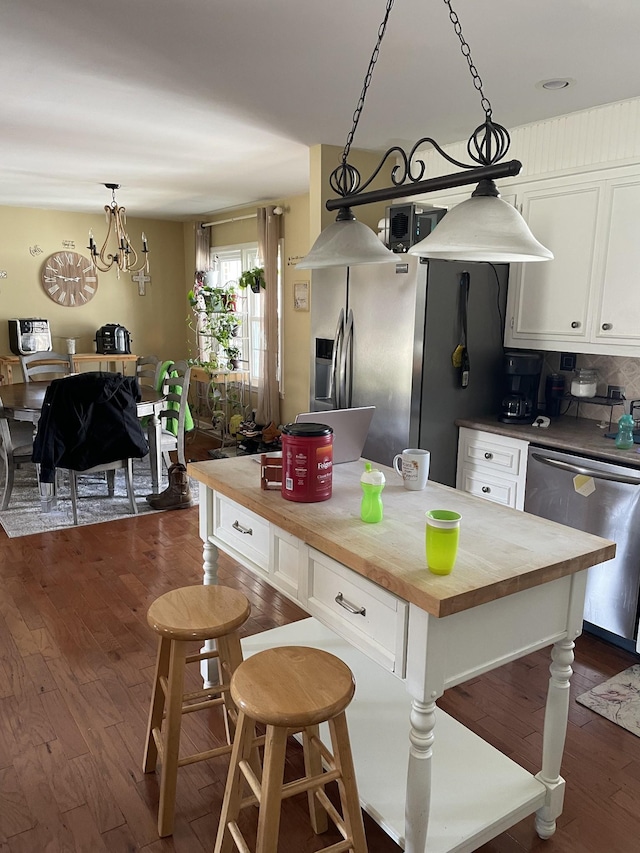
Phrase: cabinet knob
[486,490]
[488,455]
[606,327]
[576,324]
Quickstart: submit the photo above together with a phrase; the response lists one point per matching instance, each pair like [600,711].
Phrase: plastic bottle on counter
[624,438]
[372,482]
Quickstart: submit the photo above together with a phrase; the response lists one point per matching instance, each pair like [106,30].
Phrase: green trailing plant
[253,278]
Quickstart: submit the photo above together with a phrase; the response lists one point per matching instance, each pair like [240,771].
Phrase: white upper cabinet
[618,310]
[553,296]
[585,300]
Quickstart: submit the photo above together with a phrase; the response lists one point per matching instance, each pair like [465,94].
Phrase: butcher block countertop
[574,435]
[502,551]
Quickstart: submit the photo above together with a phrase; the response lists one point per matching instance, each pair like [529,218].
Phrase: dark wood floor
[76,665]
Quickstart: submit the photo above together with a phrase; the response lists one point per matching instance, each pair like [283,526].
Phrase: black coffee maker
[522,378]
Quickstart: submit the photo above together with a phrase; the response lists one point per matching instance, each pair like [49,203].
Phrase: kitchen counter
[501,552]
[574,435]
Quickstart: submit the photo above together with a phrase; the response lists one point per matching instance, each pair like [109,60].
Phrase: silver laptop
[350,428]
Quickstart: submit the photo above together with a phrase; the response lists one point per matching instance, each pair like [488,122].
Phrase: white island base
[477,792]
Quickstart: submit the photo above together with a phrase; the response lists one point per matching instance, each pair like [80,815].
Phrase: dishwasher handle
[588,472]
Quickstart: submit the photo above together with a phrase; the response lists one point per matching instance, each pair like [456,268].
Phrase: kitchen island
[518,585]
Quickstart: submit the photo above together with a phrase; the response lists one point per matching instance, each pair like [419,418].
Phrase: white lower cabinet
[368,616]
[371,618]
[493,467]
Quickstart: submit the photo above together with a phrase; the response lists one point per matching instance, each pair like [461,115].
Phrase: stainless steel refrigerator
[384,335]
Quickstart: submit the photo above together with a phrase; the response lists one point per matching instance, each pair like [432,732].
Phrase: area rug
[617,699]
[24,515]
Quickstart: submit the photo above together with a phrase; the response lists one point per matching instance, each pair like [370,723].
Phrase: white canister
[584,383]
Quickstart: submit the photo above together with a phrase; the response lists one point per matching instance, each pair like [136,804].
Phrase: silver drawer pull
[486,490]
[237,526]
[358,611]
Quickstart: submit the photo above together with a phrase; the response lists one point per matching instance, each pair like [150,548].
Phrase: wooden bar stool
[291,689]
[181,616]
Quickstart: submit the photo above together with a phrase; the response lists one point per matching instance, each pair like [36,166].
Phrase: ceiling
[197,106]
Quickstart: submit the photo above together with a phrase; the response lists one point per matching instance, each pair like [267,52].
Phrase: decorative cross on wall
[142,278]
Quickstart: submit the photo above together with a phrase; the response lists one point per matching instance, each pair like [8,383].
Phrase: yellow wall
[156,321]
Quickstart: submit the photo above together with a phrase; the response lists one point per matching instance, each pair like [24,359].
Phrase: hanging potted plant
[253,278]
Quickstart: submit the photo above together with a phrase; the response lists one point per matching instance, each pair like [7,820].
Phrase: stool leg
[229,659]
[313,767]
[351,812]
[271,799]
[242,746]
[171,744]
[156,709]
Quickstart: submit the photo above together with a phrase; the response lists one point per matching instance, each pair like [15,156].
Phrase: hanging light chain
[367,81]
[466,52]
[488,144]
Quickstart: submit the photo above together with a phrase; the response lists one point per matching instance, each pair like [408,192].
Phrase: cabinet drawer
[370,617]
[245,532]
[480,484]
[492,452]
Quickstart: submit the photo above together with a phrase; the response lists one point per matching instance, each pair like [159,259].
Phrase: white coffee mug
[413,466]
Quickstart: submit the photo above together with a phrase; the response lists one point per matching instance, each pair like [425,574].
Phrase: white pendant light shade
[482,228]
[346,243]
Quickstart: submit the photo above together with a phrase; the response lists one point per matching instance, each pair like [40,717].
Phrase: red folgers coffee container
[307,462]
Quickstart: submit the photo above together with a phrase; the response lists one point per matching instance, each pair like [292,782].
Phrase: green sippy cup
[372,482]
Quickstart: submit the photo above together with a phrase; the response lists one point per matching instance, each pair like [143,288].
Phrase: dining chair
[37,366]
[89,424]
[175,418]
[149,369]
[16,447]
[109,468]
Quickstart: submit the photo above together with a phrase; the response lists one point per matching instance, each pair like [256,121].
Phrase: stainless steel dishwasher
[602,498]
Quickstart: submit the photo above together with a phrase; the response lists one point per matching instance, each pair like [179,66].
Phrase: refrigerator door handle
[587,472]
[336,358]
[346,366]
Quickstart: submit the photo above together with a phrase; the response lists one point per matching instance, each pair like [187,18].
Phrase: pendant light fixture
[125,257]
[483,228]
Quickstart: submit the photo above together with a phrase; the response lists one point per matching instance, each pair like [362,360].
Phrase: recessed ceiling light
[555,83]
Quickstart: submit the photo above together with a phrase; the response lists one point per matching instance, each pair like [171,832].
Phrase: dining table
[22,401]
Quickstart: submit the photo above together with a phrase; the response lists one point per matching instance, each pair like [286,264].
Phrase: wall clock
[69,279]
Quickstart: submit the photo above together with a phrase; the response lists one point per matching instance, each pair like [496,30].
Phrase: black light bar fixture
[483,228]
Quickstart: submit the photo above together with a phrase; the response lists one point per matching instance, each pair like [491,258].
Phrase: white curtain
[203,248]
[268,409]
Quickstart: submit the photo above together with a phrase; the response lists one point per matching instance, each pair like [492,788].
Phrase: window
[227,265]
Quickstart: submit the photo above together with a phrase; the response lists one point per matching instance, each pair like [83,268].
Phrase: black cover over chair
[90,422]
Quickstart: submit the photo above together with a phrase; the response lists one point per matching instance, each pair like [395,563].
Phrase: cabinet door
[552,297]
[619,310]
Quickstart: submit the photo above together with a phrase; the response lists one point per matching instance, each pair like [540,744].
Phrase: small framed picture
[301,296]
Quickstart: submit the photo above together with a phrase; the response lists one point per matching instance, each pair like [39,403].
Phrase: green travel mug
[441,540]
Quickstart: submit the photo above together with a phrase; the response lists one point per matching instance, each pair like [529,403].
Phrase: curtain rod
[233,219]
[278,211]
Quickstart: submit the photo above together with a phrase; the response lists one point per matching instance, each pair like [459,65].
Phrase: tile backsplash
[612,370]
